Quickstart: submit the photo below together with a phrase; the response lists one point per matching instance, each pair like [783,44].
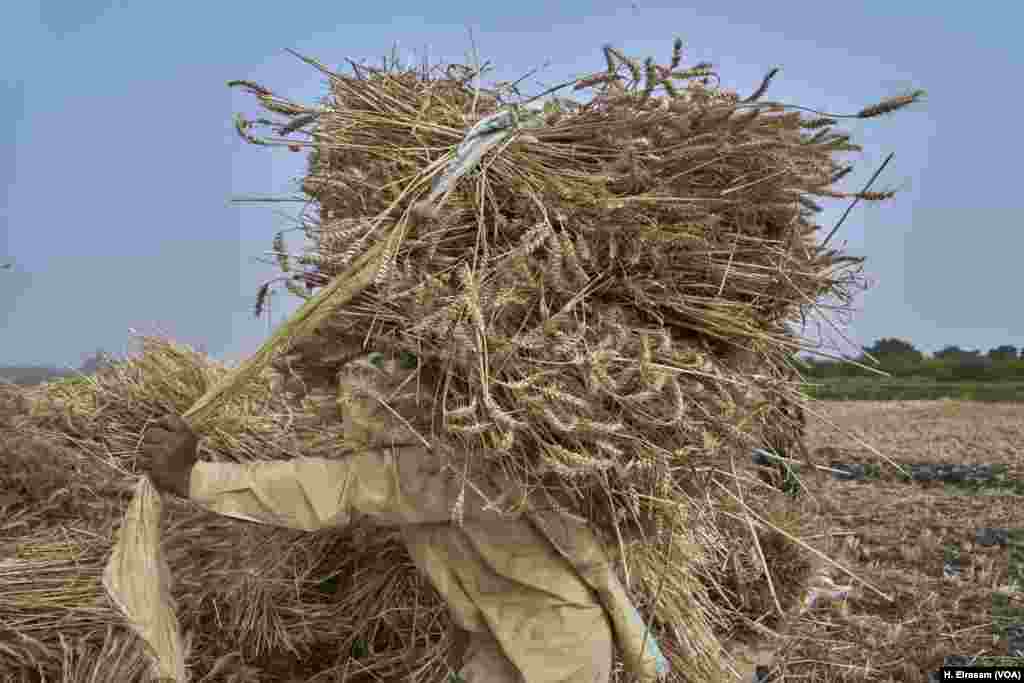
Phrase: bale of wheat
[599,292]
[590,293]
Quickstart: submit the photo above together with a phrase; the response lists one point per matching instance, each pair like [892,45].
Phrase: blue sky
[118,157]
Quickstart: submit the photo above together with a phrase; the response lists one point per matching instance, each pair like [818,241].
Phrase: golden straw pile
[283,603]
[600,308]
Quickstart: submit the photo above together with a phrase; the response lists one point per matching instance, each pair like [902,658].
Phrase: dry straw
[286,603]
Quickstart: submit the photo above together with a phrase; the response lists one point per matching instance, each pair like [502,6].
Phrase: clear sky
[118,157]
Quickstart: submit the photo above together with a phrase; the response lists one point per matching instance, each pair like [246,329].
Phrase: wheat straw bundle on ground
[282,602]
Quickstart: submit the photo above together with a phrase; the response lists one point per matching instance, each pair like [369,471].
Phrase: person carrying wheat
[533,605]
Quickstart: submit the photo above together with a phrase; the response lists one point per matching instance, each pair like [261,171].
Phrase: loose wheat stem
[867,186]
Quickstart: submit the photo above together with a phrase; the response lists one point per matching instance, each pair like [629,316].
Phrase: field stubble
[905,536]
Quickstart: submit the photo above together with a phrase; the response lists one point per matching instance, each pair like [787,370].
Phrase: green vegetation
[901,360]
[949,373]
[996,662]
[911,389]
[359,649]
[1006,614]
[999,485]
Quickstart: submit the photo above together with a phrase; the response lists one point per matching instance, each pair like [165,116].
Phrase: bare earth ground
[898,537]
[924,431]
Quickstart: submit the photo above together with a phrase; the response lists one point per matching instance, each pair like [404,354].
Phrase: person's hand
[172,449]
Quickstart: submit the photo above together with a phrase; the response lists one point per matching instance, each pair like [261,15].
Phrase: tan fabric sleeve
[393,487]
[579,545]
[308,494]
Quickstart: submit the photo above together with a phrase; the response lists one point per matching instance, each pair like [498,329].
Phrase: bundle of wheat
[599,294]
[283,602]
[588,287]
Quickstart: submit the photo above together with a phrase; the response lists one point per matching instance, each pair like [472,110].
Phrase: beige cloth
[536,593]
[138,580]
[500,578]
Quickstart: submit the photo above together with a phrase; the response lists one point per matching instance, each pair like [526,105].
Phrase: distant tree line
[900,358]
[30,375]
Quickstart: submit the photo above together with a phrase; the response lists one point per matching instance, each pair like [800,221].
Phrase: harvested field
[956,592]
[962,432]
[915,389]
